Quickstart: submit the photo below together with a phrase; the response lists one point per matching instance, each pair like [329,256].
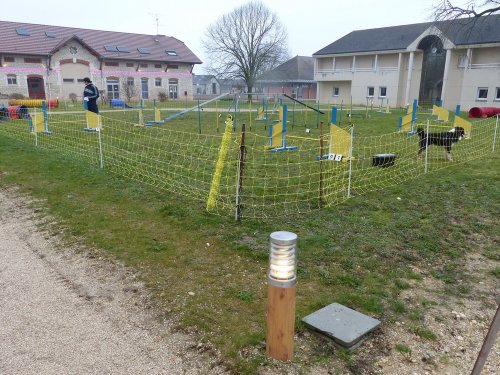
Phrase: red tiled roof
[37,43]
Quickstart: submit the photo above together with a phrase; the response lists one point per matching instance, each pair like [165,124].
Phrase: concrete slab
[345,326]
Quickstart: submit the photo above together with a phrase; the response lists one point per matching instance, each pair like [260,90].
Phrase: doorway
[36,89]
[434,59]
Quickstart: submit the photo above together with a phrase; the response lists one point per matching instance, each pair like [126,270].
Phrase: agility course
[183,154]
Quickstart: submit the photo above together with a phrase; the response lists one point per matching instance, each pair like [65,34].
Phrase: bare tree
[448,10]
[245,43]
[128,89]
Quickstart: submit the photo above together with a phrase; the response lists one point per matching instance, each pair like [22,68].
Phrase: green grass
[361,253]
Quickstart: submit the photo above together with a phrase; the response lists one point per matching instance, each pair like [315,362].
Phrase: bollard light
[282,259]
[282,278]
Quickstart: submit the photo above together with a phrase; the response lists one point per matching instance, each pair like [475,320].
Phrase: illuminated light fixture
[282,259]
[282,278]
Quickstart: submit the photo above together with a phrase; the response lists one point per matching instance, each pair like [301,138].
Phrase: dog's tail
[421,133]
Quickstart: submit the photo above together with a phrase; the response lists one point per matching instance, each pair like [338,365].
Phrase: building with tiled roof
[456,61]
[294,77]
[43,61]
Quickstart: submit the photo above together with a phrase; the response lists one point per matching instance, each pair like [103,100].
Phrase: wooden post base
[280,322]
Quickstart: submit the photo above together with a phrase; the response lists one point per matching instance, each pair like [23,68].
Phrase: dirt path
[64,312]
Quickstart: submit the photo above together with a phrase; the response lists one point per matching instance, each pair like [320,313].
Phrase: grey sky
[311,25]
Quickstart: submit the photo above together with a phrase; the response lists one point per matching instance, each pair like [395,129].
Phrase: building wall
[74,62]
[353,76]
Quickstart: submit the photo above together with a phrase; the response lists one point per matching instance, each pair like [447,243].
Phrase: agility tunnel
[18,112]
[32,103]
[476,112]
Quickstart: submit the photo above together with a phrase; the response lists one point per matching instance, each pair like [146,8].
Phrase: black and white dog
[444,139]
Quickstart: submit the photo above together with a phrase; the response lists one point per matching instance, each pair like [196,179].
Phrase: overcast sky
[311,25]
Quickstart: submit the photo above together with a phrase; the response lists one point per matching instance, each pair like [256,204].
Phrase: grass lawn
[360,253]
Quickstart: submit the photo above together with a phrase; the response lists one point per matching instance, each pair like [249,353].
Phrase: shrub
[162,96]
[72,97]
[16,96]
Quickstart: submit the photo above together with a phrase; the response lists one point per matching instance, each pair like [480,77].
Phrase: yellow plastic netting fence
[273,184]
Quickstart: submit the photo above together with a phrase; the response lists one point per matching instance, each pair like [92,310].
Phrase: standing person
[90,95]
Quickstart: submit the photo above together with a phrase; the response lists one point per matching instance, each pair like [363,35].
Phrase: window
[171,52]
[8,59]
[144,88]
[371,91]
[50,34]
[144,51]
[130,65]
[382,92]
[170,66]
[497,93]
[111,63]
[11,79]
[482,93]
[79,80]
[122,49]
[130,81]
[336,91]
[144,65]
[22,31]
[173,88]
[158,66]
[32,60]
[158,82]
[68,80]
[113,88]
[111,48]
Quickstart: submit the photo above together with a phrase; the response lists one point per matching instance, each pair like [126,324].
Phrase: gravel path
[65,312]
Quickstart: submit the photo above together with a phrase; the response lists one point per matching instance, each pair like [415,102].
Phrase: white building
[456,61]
[49,62]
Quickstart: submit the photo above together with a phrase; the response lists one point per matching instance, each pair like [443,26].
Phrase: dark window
[371,92]
[497,94]
[144,65]
[8,59]
[158,66]
[172,66]
[11,80]
[383,92]
[482,93]
[68,80]
[130,81]
[336,91]
[22,31]
[50,34]
[111,63]
[111,48]
[158,82]
[130,65]
[143,50]
[32,60]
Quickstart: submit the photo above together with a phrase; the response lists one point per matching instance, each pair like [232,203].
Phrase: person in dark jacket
[90,95]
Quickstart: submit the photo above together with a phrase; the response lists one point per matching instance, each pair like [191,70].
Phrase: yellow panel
[406,123]
[277,135]
[443,114]
[157,115]
[38,123]
[340,141]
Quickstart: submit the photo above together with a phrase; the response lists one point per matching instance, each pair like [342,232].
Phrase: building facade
[294,77]
[49,62]
[456,61]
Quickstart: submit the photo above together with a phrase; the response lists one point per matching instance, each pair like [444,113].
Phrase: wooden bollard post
[281,296]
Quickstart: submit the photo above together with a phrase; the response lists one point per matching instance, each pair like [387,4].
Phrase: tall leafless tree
[448,10]
[245,43]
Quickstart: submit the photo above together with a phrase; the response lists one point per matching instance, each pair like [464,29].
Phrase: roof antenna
[157,22]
